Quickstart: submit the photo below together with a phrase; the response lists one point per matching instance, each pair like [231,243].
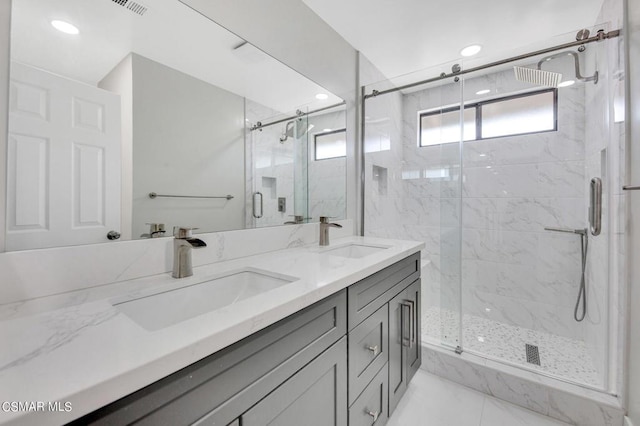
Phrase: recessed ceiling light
[483,92]
[471,50]
[566,83]
[65,27]
[326,130]
[322,96]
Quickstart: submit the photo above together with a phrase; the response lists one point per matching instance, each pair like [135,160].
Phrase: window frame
[478,110]
[315,143]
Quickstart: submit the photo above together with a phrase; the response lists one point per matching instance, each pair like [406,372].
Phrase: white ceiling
[404,36]
[169,32]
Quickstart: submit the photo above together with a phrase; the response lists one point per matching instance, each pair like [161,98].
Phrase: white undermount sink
[160,310]
[354,251]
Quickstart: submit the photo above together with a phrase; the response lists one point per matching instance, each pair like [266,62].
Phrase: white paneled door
[63,161]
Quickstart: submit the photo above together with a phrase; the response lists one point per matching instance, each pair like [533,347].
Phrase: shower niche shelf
[379,180]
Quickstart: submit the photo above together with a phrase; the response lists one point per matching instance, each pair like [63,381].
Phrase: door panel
[64,161]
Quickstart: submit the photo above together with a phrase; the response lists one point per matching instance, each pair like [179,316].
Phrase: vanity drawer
[371,406]
[224,385]
[367,296]
[314,396]
[368,351]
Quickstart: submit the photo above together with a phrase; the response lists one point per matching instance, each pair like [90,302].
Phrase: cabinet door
[314,396]
[404,341]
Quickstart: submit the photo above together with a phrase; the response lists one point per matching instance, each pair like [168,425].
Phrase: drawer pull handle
[413,320]
[374,414]
[374,349]
[406,323]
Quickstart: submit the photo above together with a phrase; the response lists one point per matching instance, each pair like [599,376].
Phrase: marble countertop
[69,354]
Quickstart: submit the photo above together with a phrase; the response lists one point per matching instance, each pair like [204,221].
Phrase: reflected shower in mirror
[117,124]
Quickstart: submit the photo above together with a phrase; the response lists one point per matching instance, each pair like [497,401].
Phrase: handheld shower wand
[582,292]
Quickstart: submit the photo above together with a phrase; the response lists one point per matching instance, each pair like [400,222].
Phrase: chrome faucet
[324,230]
[156,230]
[297,220]
[183,242]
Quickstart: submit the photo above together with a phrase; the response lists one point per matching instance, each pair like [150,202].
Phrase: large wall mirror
[127,118]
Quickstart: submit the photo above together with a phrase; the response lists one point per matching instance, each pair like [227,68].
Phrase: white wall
[633,243]
[189,140]
[120,81]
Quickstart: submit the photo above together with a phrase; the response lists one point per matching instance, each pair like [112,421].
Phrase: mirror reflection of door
[101,118]
[64,161]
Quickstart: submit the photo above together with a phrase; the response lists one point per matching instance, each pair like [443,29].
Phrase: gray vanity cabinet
[404,341]
[314,396]
[220,388]
[345,360]
[384,340]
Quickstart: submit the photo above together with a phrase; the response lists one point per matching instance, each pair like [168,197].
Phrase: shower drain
[533,355]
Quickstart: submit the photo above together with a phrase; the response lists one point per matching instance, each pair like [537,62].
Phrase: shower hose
[582,293]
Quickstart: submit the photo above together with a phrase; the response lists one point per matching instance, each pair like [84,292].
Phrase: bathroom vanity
[334,343]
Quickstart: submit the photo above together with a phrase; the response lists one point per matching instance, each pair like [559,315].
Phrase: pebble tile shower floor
[559,356]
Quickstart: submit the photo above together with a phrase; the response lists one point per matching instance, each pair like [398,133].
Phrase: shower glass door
[277,160]
[480,168]
[412,153]
[526,179]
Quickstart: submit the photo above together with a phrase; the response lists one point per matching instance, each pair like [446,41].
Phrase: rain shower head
[548,78]
[295,129]
[537,76]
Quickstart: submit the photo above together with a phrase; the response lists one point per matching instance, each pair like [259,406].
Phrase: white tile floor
[434,401]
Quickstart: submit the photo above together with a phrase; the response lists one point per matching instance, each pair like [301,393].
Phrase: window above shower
[330,144]
[533,112]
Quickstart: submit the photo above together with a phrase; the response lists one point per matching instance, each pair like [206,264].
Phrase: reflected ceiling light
[483,92]
[326,130]
[65,27]
[322,96]
[480,339]
[566,83]
[471,50]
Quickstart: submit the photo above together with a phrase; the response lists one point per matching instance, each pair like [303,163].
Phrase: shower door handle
[256,194]
[595,206]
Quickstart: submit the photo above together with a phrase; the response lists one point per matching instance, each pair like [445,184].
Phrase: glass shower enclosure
[485,169]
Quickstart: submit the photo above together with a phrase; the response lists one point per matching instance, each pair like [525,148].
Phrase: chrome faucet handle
[182,232]
[155,227]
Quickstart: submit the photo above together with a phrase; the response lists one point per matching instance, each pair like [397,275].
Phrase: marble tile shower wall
[327,178]
[384,196]
[512,270]
[269,167]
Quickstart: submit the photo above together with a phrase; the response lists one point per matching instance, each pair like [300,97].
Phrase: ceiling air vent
[135,7]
